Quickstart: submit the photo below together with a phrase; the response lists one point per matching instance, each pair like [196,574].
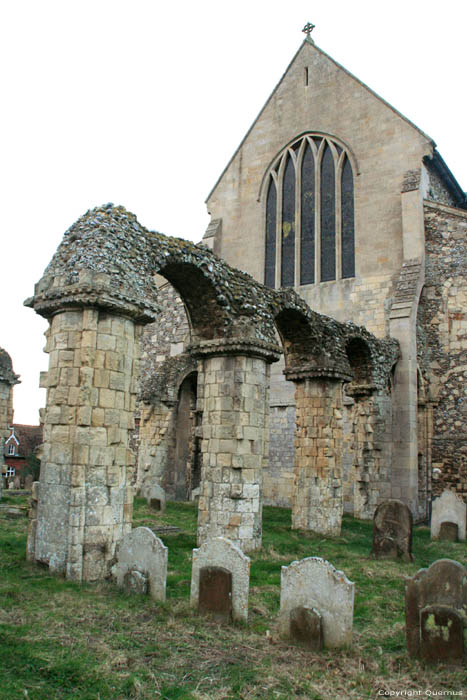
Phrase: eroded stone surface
[215,592]
[449,532]
[392,531]
[220,552]
[449,507]
[314,582]
[135,582]
[306,627]
[442,634]
[143,552]
[444,583]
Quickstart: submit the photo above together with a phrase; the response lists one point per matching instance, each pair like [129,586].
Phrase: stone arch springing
[308,194]
[359,357]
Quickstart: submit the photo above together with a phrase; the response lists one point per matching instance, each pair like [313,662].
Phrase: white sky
[142,103]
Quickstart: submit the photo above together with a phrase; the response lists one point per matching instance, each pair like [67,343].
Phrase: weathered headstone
[28,482]
[306,627]
[443,585]
[17,483]
[215,592]
[155,497]
[442,634]
[143,552]
[315,583]
[392,531]
[222,553]
[448,508]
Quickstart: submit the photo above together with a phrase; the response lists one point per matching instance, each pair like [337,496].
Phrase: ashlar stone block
[224,554]
[448,508]
[142,551]
[315,583]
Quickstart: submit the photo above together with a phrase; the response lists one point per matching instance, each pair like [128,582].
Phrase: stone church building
[334,193]
[311,352]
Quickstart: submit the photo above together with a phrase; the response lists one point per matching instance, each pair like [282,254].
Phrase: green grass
[63,640]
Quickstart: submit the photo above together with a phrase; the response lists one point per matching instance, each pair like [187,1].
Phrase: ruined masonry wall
[442,342]
[317,500]
[85,504]
[279,472]
[155,442]
[6,408]
[168,336]
[233,395]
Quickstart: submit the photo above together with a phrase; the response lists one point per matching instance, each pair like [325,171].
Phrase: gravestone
[155,498]
[442,634]
[448,508]
[17,483]
[220,552]
[443,585]
[306,627]
[392,531]
[28,482]
[314,583]
[215,592]
[143,552]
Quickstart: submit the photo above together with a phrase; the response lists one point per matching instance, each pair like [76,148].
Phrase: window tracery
[310,232]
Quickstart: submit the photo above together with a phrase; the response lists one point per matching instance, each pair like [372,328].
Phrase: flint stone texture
[444,583]
[215,592]
[314,582]
[448,508]
[392,531]
[221,552]
[442,634]
[142,551]
[306,627]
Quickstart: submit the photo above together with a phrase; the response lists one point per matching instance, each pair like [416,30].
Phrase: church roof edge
[309,41]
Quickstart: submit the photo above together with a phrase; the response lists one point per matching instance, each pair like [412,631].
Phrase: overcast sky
[142,103]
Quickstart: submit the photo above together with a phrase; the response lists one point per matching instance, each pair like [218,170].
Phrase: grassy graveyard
[63,640]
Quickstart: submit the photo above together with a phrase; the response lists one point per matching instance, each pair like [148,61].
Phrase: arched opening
[201,299]
[358,355]
[184,468]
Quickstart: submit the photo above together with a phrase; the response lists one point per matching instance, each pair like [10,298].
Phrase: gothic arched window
[310,214]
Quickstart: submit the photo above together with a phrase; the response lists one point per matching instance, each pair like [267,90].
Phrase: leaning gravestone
[448,517]
[311,589]
[212,564]
[142,563]
[436,611]
[392,531]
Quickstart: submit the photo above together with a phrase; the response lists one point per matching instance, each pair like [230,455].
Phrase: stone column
[233,395]
[317,502]
[86,495]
